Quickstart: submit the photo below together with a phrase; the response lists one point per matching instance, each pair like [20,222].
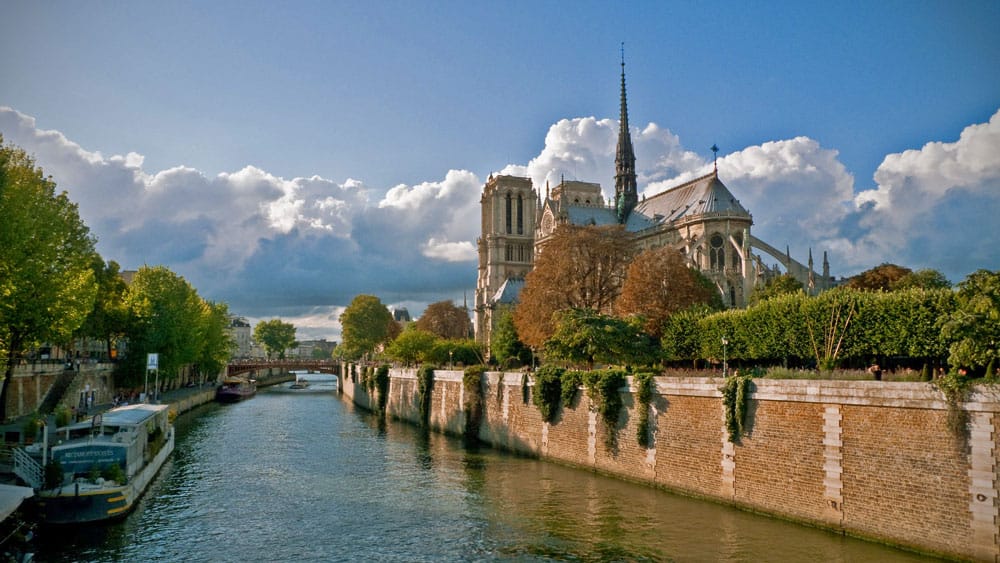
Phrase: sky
[285,157]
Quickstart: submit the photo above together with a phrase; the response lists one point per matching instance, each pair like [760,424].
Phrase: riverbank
[871,459]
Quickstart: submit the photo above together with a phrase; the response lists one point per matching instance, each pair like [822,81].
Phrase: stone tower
[506,247]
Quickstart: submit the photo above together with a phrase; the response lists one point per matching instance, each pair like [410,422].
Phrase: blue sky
[344,144]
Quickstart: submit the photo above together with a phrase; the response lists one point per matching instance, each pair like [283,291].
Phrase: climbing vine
[956,386]
[604,387]
[472,382]
[425,389]
[644,384]
[571,382]
[380,381]
[548,390]
[735,395]
[525,389]
[499,393]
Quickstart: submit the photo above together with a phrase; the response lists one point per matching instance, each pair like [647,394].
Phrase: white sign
[152,361]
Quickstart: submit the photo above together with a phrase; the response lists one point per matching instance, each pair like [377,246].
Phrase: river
[305,476]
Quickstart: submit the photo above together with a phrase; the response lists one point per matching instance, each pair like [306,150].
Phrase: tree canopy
[445,319]
[366,323]
[881,277]
[584,336]
[411,346]
[579,267]
[781,285]
[276,336]
[973,328]
[47,285]
[658,284]
[505,344]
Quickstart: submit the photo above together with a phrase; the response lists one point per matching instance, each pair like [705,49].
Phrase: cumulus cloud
[302,248]
[936,206]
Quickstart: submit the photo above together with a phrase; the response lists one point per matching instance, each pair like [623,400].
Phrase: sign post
[152,364]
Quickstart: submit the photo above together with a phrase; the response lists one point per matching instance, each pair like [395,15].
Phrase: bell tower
[506,246]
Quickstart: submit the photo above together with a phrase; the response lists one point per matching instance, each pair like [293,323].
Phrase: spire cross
[715,156]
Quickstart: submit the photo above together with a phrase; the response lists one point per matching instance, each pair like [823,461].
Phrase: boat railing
[27,468]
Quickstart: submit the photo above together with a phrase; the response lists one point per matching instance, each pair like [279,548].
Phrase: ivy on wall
[735,396]
[548,391]
[644,384]
[425,390]
[380,382]
[472,382]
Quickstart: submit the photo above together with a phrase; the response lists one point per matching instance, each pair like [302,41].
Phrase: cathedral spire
[626,193]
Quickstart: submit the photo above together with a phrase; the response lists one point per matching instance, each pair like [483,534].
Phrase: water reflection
[307,477]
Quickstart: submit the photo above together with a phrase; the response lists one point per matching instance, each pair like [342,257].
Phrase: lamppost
[725,366]
[451,363]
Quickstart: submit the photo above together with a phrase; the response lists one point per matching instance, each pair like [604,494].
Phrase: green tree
[413,345]
[217,341]
[47,285]
[463,351]
[507,348]
[922,279]
[445,319]
[781,285]
[107,319]
[166,318]
[366,323]
[974,327]
[586,336]
[276,336]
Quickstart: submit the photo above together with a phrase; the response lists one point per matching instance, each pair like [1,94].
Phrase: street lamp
[725,367]
[451,363]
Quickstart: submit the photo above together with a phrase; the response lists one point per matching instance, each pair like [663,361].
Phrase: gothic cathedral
[700,218]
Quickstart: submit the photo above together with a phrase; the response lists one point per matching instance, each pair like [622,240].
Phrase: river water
[305,476]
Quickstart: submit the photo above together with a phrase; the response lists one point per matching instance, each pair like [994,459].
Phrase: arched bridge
[321,366]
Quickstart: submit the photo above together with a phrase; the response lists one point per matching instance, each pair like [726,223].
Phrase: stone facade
[871,459]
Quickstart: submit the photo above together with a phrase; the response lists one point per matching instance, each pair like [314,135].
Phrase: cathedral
[700,218]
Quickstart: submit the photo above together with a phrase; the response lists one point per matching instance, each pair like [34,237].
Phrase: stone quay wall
[870,459]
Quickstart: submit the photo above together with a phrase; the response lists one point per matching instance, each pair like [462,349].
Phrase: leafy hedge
[842,326]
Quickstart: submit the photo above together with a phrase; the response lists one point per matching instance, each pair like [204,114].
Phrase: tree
[881,277]
[781,285]
[974,327]
[659,284]
[445,319]
[413,345]
[579,267]
[108,317]
[166,318]
[47,285]
[586,336]
[217,341]
[504,342]
[922,279]
[366,323]
[276,336]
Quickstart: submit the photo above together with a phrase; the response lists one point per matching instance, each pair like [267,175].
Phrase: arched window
[520,215]
[508,215]
[717,252]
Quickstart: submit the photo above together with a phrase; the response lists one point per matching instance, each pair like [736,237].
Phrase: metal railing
[25,467]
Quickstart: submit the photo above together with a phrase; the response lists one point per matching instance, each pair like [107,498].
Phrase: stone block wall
[871,459]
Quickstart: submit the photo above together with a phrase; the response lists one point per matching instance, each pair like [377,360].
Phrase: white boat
[98,468]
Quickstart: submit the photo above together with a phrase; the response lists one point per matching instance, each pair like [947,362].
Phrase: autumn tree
[881,277]
[658,284]
[445,319]
[579,267]
[276,336]
[366,323]
[47,284]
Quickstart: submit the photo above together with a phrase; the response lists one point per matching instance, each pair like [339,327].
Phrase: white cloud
[302,247]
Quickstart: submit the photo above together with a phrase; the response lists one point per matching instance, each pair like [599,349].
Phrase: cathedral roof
[509,292]
[601,216]
[698,197]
